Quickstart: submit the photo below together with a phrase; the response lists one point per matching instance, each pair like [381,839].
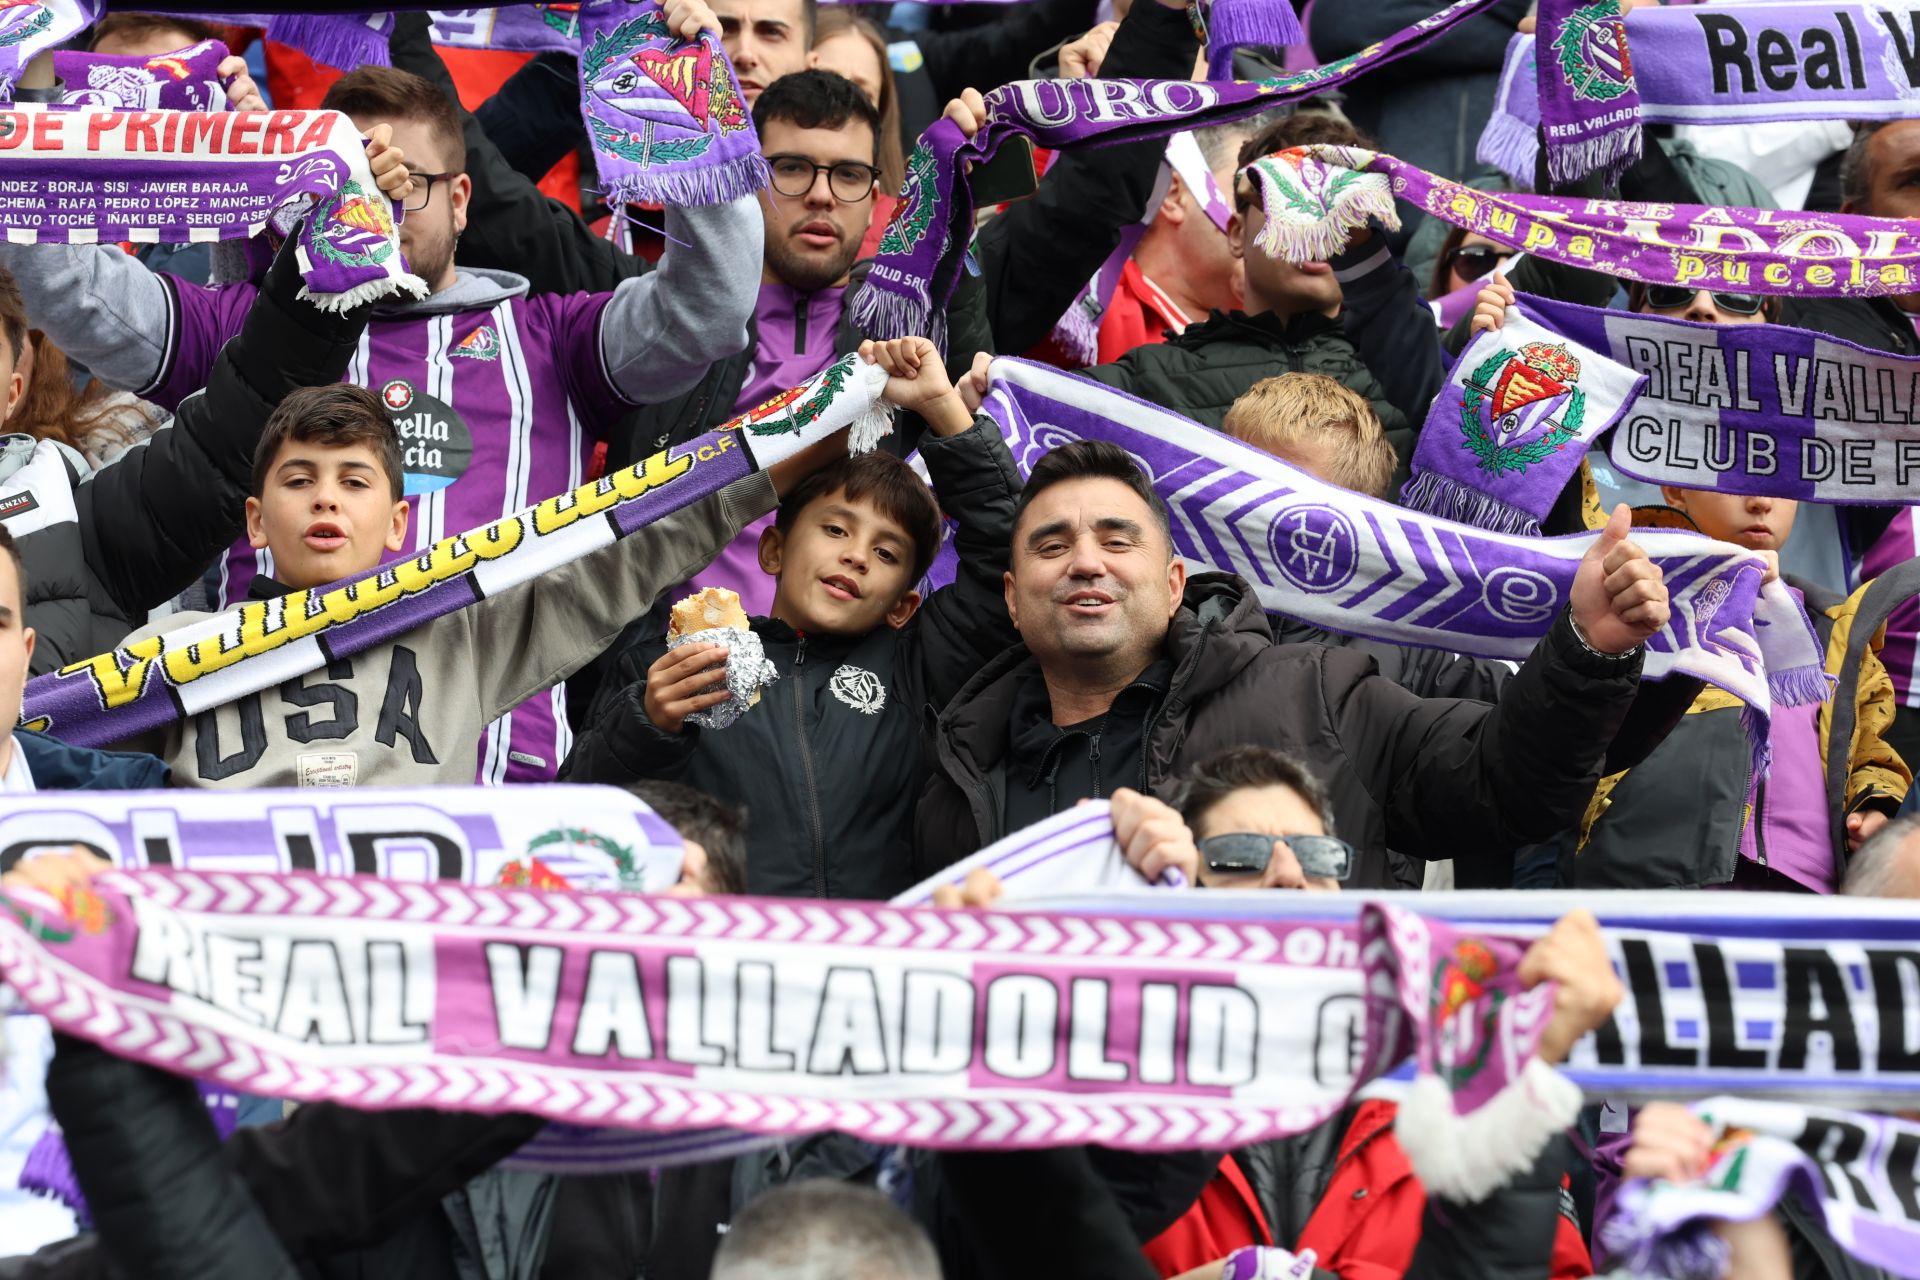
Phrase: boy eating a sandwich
[829,763]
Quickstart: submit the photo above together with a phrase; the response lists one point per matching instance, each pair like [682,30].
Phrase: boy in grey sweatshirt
[327,504]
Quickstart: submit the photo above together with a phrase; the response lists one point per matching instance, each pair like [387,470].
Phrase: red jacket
[1365,1227]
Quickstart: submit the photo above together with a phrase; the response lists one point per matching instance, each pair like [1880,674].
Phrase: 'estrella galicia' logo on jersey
[482,344]
[435,445]
[859,689]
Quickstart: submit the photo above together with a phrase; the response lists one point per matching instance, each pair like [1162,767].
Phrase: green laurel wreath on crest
[1304,202]
[622,143]
[1494,458]
[801,412]
[621,854]
[32,26]
[607,46]
[917,197]
[377,252]
[1587,81]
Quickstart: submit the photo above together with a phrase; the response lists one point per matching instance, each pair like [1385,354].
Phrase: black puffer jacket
[103,549]
[829,762]
[1450,778]
[1201,372]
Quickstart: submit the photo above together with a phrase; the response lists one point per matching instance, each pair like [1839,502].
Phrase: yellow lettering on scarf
[558,512]
[1819,275]
[1539,236]
[1895,273]
[1774,273]
[1734,271]
[1465,204]
[1688,268]
[1503,221]
[263,628]
[1581,246]
[119,685]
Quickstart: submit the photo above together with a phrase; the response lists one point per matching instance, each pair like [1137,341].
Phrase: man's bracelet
[1581,637]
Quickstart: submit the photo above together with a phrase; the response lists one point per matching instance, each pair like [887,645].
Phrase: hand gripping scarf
[1361,566]
[188,80]
[1508,430]
[1589,105]
[262,643]
[1756,408]
[1314,197]
[1134,1021]
[921,252]
[1859,1174]
[1736,64]
[82,176]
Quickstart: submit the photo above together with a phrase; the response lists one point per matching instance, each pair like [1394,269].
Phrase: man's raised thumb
[1619,525]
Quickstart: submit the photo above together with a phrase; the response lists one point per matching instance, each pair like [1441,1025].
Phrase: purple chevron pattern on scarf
[1589,104]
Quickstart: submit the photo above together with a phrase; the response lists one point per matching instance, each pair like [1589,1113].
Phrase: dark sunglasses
[1673,297]
[1244,853]
[1475,260]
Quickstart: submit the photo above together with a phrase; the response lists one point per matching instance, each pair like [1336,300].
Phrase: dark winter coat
[830,760]
[1450,778]
[1201,372]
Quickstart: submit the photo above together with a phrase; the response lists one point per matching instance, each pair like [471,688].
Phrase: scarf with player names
[86,175]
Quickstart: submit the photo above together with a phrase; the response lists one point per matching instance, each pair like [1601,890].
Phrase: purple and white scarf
[664,115]
[1518,412]
[82,176]
[1736,64]
[1860,1174]
[945,1029]
[1753,408]
[1357,565]
[1589,104]
[188,80]
[260,644]
[1313,195]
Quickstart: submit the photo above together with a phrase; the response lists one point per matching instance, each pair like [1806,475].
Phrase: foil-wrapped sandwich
[714,616]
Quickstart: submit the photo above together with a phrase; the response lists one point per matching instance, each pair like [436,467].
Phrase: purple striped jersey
[497,406]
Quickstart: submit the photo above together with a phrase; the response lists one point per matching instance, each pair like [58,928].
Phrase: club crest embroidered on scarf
[1592,50]
[355,227]
[1519,406]
[673,105]
[21,19]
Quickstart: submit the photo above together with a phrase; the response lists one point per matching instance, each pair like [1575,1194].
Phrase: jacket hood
[1266,328]
[473,289]
[1218,630]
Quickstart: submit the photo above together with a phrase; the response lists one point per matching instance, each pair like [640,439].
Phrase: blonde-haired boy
[1318,425]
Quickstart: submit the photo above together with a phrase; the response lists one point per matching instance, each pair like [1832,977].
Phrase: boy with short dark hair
[831,759]
[327,507]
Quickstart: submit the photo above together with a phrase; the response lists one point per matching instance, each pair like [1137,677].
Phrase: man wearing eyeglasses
[498,391]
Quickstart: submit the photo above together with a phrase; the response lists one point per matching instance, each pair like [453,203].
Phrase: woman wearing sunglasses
[1261,821]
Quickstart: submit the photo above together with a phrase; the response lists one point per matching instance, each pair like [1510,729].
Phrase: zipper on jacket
[1759,829]
[806,766]
[800,309]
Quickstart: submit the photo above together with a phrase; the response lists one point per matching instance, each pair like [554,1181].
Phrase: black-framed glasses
[423,184]
[1676,297]
[1471,261]
[849,180]
[1244,853]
